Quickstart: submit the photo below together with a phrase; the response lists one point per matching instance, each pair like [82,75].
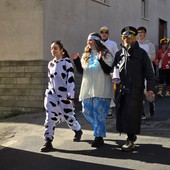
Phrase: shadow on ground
[13,159]
[149,153]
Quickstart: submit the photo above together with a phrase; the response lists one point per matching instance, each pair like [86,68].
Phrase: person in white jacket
[112,47]
[96,89]
[149,47]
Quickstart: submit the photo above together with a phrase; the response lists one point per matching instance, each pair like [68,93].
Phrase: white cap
[104,28]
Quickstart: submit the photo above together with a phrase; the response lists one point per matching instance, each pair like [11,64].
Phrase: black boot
[47,147]
[98,141]
[78,135]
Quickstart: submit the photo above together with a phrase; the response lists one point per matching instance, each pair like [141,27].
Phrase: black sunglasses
[104,32]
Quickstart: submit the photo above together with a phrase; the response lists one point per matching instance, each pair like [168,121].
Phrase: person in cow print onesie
[59,96]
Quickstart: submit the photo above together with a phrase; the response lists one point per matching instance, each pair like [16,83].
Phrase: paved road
[21,138]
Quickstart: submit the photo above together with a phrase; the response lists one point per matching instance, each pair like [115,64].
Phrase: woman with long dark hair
[59,96]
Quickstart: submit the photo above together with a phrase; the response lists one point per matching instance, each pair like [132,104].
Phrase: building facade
[28,28]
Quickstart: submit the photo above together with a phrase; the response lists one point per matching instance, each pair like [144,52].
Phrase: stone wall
[29,26]
[22,85]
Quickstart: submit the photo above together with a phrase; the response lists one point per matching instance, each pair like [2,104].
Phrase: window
[104,2]
[144,8]
[162,29]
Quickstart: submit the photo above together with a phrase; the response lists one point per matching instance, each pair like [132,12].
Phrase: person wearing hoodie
[59,96]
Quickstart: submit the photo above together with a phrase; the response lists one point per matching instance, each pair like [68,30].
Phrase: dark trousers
[131,137]
[164,76]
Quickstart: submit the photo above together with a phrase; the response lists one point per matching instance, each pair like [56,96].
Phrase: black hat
[129,30]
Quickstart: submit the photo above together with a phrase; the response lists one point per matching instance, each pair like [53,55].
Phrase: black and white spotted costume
[61,88]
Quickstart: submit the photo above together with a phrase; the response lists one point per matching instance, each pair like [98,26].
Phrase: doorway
[162,29]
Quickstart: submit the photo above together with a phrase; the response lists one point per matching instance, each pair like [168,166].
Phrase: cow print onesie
[61,88]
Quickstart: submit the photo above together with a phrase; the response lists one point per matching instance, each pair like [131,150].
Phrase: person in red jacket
[162,60]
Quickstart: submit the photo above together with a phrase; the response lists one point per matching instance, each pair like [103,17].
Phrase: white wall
[21,30]
[29,26]
[72,20]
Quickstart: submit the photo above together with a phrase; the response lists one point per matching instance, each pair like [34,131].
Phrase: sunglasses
[104,32]
[129,36]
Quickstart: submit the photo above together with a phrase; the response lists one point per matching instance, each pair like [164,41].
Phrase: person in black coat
[131,67]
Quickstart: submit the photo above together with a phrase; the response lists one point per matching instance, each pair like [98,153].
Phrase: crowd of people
[122,78]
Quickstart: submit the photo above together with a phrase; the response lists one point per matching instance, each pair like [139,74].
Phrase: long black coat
[134,71]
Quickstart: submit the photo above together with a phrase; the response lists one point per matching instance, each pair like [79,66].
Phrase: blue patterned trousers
[95,110]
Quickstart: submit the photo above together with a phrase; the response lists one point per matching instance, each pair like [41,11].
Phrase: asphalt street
[21,138]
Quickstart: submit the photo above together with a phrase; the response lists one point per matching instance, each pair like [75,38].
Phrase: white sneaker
[143,117]
[128,146]
[110,112]
[112,103]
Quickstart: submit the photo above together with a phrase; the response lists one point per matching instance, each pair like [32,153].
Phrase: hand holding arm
[76,59]
[75,56]
[100,55]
